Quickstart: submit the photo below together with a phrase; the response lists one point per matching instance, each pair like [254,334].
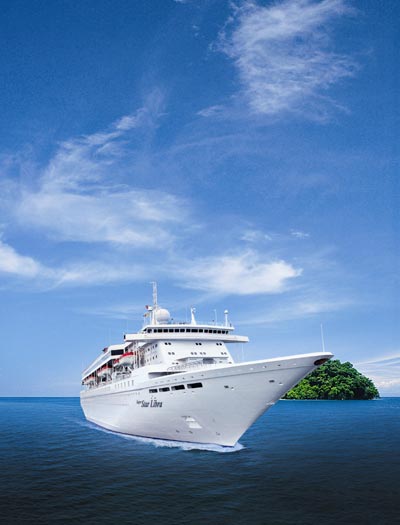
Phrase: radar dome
[162,315]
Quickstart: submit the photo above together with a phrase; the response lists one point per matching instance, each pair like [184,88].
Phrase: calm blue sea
[303,462]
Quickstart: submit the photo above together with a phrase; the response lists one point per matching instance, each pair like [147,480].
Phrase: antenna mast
[192,312]
[322,338]
[154,294]
[226,317]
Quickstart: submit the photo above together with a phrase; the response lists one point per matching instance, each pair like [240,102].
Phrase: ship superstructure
[179,381]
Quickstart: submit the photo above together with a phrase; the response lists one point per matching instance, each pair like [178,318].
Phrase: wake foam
[183,445]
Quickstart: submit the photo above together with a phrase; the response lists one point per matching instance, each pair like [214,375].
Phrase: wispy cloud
[255,236]
[244,274]
[80,196]
[211,111]
[296,309]
[298,234]
[284,55]
[13,263]
[134,217]
[384,372]
[100,226]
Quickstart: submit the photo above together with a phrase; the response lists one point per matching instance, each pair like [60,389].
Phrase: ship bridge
[187,332]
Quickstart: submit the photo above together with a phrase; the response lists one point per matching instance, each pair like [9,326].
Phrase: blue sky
[244,155]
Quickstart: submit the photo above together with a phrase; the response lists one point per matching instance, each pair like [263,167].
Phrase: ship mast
[155,305]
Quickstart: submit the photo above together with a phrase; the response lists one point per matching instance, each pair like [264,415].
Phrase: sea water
[303,462]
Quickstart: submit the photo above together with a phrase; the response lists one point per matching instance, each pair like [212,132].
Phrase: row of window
[175,387]
[191,330]
[118,386]
[197,344]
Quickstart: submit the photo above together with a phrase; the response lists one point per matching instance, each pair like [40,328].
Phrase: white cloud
[88,273]
[238,274]
[98,272]
[211,111]
[11,262]
[296,309]
[78,196]
[223,275]
[134,217]
[283,55]
[127,122]
[255,236]
[299,234]
[384,371]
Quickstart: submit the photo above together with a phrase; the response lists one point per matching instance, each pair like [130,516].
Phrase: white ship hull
[230,399]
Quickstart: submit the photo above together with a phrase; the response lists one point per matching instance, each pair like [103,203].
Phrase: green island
[334,380]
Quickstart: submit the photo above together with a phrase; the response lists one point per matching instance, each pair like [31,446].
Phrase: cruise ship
[179,381]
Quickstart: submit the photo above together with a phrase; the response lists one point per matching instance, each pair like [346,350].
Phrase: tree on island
[334,380]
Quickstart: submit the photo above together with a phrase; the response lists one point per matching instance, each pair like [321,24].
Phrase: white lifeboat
[126,359]
[103,372]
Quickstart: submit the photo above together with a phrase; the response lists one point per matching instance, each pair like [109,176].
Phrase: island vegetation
[334,380]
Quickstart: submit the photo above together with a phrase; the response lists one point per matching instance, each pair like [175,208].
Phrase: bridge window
[178,387]
[195,385]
